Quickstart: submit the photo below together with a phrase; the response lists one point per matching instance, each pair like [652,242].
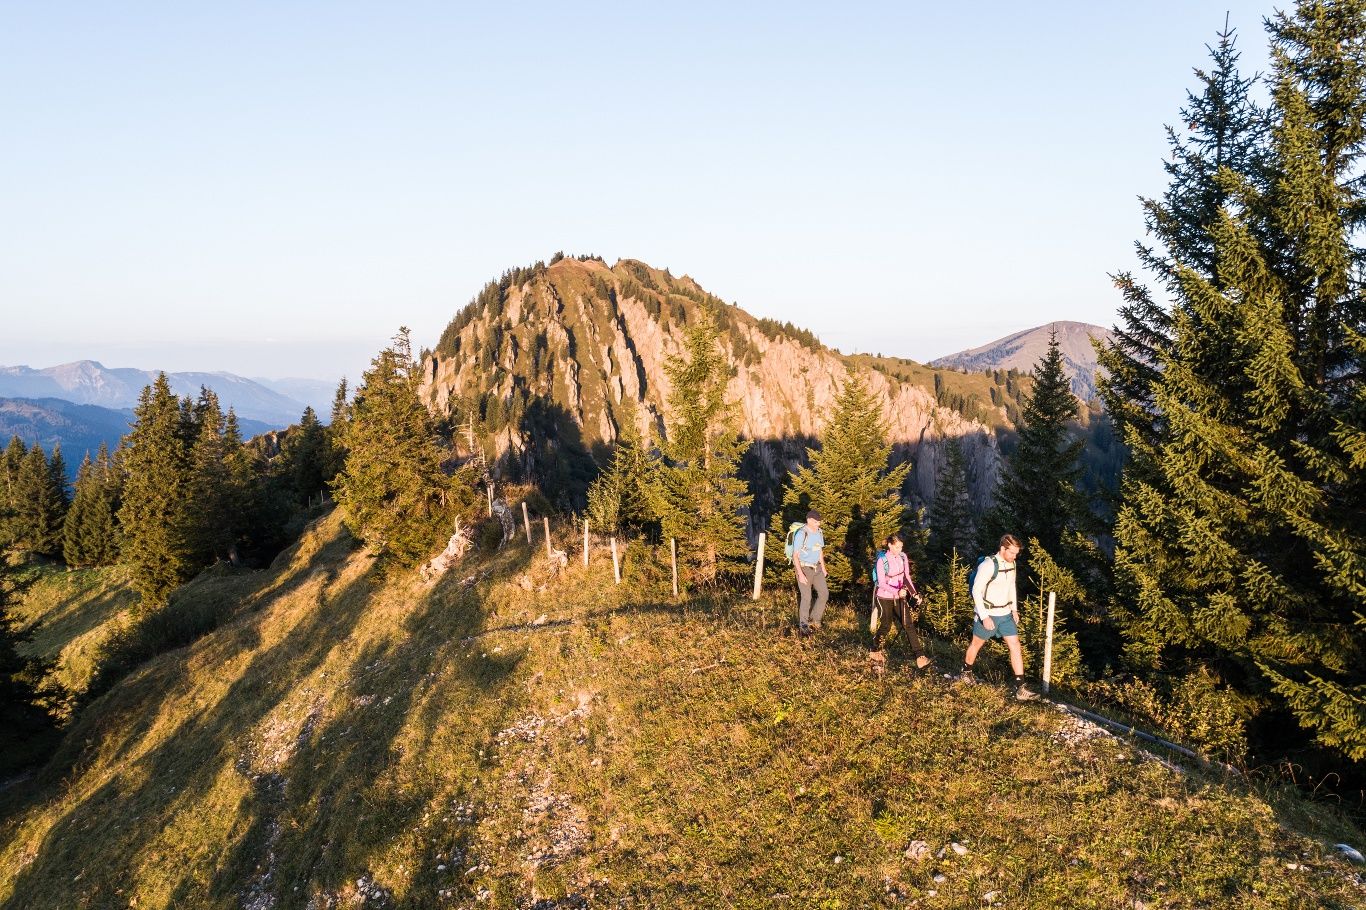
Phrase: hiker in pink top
[893,598]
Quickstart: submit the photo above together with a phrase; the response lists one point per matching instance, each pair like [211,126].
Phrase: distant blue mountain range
[80,428]
[88,382]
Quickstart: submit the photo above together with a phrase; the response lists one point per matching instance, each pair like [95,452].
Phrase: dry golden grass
[346,740]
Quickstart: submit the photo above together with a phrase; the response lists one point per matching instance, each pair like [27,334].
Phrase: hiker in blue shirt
[808,558]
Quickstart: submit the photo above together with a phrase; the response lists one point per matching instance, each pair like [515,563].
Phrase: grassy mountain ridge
[507,739]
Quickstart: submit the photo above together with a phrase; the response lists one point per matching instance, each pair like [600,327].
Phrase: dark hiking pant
[807,614]
[897,610]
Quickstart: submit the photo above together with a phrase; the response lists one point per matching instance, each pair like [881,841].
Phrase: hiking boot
[1024,693]
[815,627]
[966,677]
[803,631]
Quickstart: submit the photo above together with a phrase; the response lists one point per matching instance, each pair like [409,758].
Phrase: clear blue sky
[274,188]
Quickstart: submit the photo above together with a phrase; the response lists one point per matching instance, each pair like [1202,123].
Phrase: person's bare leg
[971,657]
[1016,657]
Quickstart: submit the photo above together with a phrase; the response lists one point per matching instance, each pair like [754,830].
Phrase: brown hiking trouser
[898,610]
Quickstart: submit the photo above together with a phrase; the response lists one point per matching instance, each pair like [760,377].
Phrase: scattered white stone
[540,620]
[441,867]
[940,878]
[1293,866]
[958,848]
[917,850]
[932,892]
[838,860]
[991,897]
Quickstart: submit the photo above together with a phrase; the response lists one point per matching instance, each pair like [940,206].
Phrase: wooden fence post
[548,551]
[489,489]
[1048,643]
[759,566]
[526,523]
[585,543]
[616,566]
[673,561]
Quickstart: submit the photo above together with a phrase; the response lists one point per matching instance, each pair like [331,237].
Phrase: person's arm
[797,560]
[979,595]
[1014,603]
[823,572]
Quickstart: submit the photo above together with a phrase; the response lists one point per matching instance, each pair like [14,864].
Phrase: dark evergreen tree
[39,510]
[849,483]
[76,549]
[1243,549]
[1223,138]
[951,521]
[10,467]
[701,499]
[153,515]
[28,725]
[210,497]
[305,458]
[621,497]
[1040,492]
[392,490]
[336,432]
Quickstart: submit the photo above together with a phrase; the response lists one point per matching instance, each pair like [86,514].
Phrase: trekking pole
[759,567]
[616,566]
[548,551]
[673,562]
[1048,642]
[585,543]
[526,523]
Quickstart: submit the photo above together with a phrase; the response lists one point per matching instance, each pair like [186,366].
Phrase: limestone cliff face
[577,339]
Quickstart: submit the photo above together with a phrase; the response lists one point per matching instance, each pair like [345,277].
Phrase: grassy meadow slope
[503,739]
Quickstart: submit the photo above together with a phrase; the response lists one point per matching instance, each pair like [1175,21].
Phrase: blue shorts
[1005,625]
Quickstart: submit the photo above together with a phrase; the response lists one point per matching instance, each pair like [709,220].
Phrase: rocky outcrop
[585,338]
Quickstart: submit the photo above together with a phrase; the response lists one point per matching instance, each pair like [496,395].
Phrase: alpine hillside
[559,356]
[1022,350]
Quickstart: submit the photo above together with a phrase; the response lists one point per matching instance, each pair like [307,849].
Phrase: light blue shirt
[807,545]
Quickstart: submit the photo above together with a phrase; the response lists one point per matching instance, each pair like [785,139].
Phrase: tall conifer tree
[1244,550]
[701,499]
[1040,494]
[951,524]
[392,490]
[153,515]
[849,483]
[621,497]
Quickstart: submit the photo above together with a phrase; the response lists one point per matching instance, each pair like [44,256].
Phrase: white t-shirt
[994,596]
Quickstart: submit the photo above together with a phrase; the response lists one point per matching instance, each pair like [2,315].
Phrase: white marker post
[585,543]
[1048,642]
[489,490]
[548,551]
[673,562]
[759,566]
[616,566]
[526,523]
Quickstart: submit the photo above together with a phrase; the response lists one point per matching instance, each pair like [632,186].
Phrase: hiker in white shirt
[996,612]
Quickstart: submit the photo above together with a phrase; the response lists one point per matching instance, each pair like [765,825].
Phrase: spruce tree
[24,718]
[848,481]
[1040,494]
[1223,135]
[1244,551]
[39,510]
[621,497]
[951,522]
[336,432]
[209,503]
[158,547]
[700,497]
[305,458]
[101,527]
[10,466]
[392,491]
[75,550]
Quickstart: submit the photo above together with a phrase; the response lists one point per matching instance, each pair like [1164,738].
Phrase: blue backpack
[972,573]
[877,561]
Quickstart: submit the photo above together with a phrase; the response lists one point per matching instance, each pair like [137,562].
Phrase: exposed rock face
[585,338]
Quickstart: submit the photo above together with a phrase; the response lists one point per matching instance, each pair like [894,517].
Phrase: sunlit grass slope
[504,739]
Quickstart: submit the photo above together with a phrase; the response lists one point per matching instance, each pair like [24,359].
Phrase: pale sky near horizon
[272,189]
